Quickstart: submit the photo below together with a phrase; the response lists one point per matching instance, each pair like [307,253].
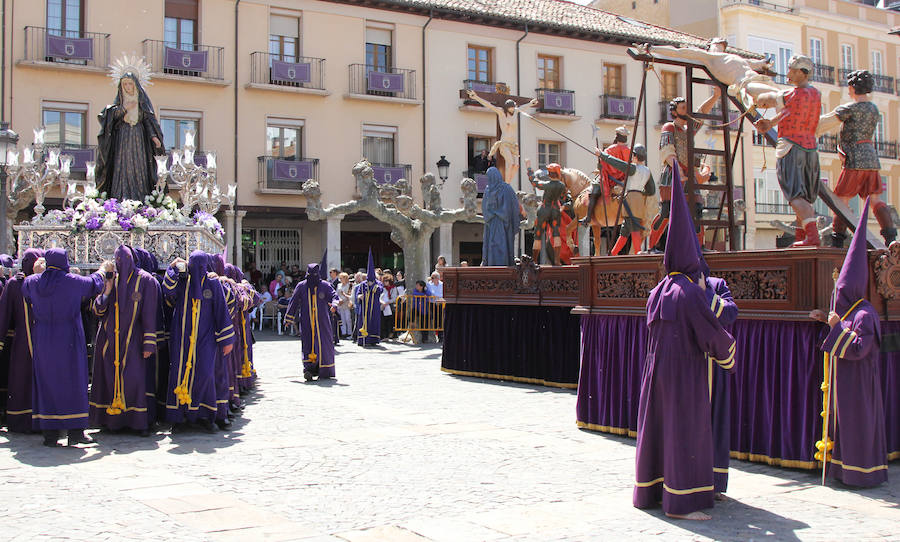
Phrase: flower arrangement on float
[95,212]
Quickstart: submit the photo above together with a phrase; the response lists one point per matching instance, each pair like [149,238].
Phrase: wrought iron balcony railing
[285,173]
[389,82]
[297,72]
[827,143]
[617,107]
[773,208]
[554,100]
[822,74]
[202,61]
[886,149]
[74,48]
[883,83]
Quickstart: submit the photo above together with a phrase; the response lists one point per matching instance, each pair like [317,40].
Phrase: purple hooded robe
[123,394]
[200,329]
[368,308]
[859,457]
[60,382]
[14,326]
[311,306]
[674,455]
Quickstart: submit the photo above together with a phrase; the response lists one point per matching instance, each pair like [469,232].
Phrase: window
[670,87]
[378,48]
[612,79]
[64,124]
[174,124]
[284,38]
[65,17]
[879,129]
[480,66]
[815,50]
[769,198]
[180,25]
[847,57]
[548,71]
[284,139]
[877,66]
[475,145]
[378,144]
[779,51]
[549,152]
[885,190]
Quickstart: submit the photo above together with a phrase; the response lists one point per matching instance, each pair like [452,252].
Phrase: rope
[182,390]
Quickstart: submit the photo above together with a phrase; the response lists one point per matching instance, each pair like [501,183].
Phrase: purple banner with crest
[199,159]
[178,59]
[481,181]
[291,72]
[79,157]
[385,82]
[388,175]
[292,170]
[482,87]
[74,48]
[620,106]
[559,101]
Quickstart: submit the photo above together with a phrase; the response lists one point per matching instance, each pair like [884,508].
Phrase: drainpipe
[519,128]
[424,96]
[3,66]
[236,235]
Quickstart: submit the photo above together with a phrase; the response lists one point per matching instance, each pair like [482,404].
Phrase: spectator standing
[344,303]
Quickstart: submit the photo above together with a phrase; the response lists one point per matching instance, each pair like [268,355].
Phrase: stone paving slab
[394,449]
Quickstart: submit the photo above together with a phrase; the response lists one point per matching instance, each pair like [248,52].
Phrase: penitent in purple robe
[311,306]
[224,378]
[723,306]
[200,328]
[674,456]
[60,381]
[854,344]
[368,313]
[123,394]
[14,326]
[246,370]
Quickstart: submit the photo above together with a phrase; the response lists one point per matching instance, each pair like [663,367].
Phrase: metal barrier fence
[419,313]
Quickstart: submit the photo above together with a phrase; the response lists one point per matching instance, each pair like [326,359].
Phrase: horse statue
[607,212]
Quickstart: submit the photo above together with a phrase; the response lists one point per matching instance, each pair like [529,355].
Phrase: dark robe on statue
[500,207]
[126,167]
[859,457]
[14,326]
[200,329]
[674,455]
[60,382]
[122,390]
[311,306]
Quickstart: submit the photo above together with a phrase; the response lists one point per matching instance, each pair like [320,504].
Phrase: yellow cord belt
[182,390]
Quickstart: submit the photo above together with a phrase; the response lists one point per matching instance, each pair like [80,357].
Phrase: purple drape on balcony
[386,82]
[559,101]
[179,59]
[72,48]
[290,170]
[291,72]
[619,106]
[775,396]
[388,175]
[80,157]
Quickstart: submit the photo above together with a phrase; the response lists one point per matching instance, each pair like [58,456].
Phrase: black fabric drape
[527,344]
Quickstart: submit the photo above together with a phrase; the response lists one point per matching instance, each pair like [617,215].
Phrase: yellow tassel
[181,391]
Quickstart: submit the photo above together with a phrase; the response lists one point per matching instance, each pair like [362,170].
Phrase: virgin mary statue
[129,136]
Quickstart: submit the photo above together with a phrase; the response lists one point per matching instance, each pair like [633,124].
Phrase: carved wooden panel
[762,284]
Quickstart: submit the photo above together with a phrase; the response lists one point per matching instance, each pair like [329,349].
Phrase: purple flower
[111,206]
[125,223]
[93,223]
[149,212]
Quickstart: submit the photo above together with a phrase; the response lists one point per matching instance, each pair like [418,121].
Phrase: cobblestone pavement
[394,449]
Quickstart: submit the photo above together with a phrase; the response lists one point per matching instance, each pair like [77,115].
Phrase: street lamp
[8,142]
[443,166]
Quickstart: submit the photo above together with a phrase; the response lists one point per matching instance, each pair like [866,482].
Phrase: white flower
[111,220]
[140,222]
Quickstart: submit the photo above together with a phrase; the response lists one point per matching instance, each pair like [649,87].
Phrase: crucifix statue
[507,144]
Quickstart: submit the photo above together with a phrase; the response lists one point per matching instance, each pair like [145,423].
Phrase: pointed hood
[217,264]
[57,267]
[682,258]
[854,278]
[323,265]
[370,273]
[681,240]
[198,265]
[31,255]
[312,275]
[127,265]
[6,260]
[231,271]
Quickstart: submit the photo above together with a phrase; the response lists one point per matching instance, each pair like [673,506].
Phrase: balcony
[81,154]
[299,73]
[84,50]
[842,76]
[616,107]
[389,83]
[483,87]
[773,208]
[664,115]
[391,173]
[286,175]
[828,143]
[886,149]
[555,101]
[822,74]
[771,6]
[883,83]
[759,140]
[202,62]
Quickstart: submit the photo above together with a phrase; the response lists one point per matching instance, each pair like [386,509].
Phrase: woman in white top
[343,291]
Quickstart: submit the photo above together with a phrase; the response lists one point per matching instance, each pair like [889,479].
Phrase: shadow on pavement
[734,520]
